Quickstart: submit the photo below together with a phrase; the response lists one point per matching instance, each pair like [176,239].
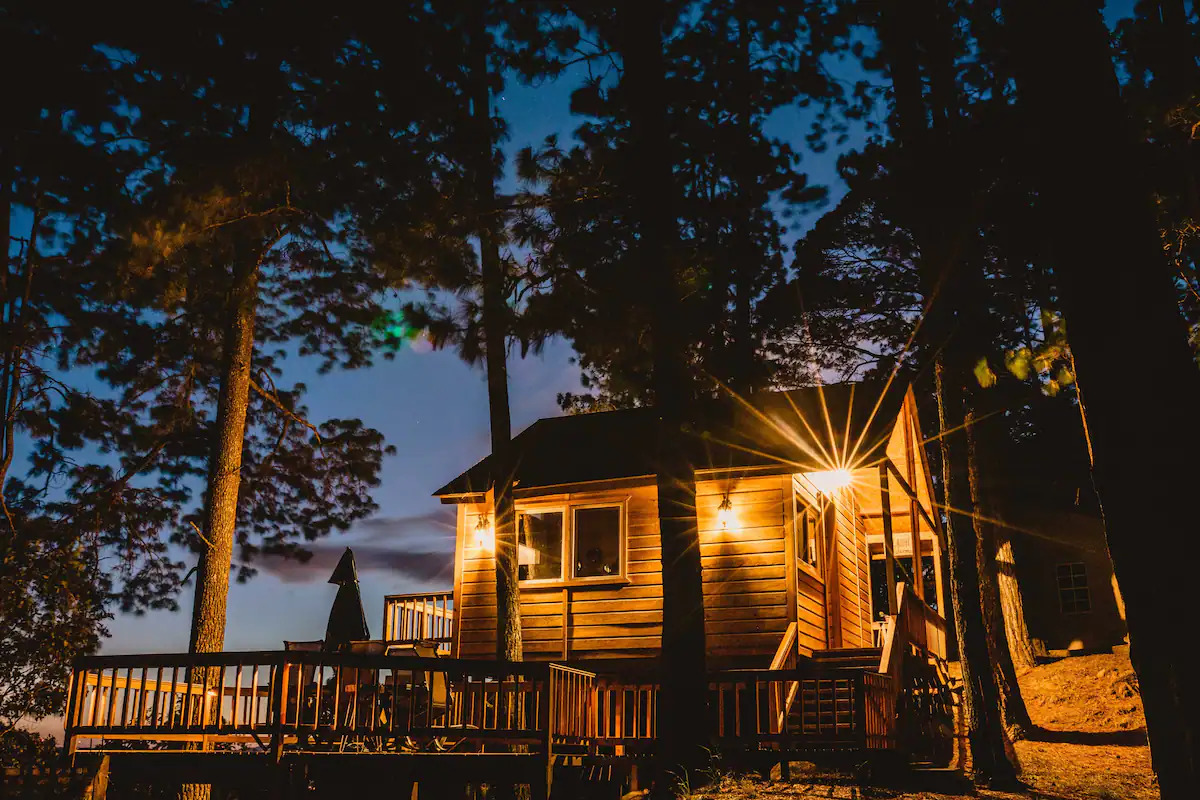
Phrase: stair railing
[783,694]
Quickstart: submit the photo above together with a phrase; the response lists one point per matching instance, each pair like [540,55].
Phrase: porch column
[832,563]
[889,547]
[918,571]
[914,511]
[937,578]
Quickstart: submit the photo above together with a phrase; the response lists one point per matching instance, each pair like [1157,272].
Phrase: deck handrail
[278,700]
[917,629]
[419,616]
[572,704]
[785,694]
[295,696]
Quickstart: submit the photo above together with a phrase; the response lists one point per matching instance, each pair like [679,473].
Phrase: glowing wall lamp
[830,480]
[725,513]
[485,535]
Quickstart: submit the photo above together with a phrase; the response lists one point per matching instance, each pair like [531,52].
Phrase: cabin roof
[792,431]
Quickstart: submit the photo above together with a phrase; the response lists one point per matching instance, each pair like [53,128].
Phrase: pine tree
[79,532]
[1120,303]
[941,183]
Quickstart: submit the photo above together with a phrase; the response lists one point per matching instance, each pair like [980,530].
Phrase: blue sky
[433,408]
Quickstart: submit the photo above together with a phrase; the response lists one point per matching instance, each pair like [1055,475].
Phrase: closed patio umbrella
[347,620]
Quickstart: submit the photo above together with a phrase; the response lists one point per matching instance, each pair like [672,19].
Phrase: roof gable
[801,430]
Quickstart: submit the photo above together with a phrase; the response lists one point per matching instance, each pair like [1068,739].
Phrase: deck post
[97,788]
[889,546]
[546,779]
[937,577]
[279,701]
[860,709]
[831,562]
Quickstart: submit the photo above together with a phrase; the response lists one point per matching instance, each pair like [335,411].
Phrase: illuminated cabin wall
[746,571]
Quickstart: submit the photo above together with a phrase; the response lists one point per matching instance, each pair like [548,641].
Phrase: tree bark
[742,366]
[495,331]
[683,699]
[224,480]
[939,185]
[981,702]
[1131,352]
[1012,703]
[1012,604]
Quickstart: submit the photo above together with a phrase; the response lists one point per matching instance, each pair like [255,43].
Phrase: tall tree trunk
[1012,603]
[224,480]
[683,700]
[939,187]
[1012,703]
[1131,352]
[742,369]
[981,701]
[495,331]
[7,344]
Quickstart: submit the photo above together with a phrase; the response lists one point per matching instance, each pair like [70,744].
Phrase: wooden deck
[281,708]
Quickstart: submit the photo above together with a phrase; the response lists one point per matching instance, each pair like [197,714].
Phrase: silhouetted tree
[1121,307]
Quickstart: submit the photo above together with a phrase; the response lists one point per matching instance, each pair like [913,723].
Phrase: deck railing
[785,695]
[912,687]
[626,714]
[306,700]
[419,617]
[311,701]
[797,705]
[572,704]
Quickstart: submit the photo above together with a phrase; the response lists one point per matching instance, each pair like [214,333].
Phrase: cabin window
[597,541]
[1073,594]
[807,526]
[540,546]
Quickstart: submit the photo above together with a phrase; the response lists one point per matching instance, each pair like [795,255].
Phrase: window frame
[567,576]
[818,521]
[1073,588]
[542,509]
[622,543]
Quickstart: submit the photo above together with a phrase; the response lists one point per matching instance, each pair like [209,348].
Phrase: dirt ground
[1090,745]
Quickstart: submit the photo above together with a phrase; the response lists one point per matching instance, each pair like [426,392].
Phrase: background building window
[1073,593]
[597,542]
[540,546]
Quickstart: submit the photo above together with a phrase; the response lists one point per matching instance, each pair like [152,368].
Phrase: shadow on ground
[1129,738]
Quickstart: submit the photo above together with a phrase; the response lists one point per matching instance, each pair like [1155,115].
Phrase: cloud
[419,547]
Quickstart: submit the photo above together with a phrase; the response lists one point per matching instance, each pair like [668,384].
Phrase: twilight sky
[433,408]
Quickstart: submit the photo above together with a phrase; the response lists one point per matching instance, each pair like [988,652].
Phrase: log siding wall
[746,573]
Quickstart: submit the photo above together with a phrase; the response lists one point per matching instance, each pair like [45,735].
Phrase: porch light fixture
[831,480]
[485,536]
[725,513]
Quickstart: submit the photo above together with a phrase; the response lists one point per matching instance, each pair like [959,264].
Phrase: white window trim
[567,578]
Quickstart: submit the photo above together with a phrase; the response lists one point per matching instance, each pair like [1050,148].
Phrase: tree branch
[275,401]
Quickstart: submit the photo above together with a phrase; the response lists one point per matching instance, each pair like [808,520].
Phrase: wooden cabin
[798,495]
[802,497]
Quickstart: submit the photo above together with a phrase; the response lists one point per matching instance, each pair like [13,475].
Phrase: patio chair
[429,692]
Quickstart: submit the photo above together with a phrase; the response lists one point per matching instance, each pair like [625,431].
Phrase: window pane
[539,556]
[597,542]
[807,524]
[1073,594]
